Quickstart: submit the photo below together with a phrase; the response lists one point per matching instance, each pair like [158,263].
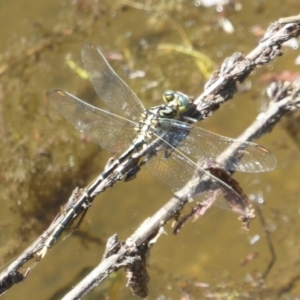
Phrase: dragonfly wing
[178,171]
[110,131]
[204,146]
[109,86]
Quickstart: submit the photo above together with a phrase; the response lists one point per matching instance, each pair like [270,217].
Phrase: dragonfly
[176,149]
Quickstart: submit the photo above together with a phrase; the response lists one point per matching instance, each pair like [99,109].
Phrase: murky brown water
[43,158]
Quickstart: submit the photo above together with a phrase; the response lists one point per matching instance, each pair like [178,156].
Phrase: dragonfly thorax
[176,103]
[148,122]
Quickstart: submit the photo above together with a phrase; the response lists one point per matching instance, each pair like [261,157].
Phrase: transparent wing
[177,171]
[203,146]
[110,131]
[109,86]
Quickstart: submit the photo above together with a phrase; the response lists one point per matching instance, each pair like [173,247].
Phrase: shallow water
[43,158]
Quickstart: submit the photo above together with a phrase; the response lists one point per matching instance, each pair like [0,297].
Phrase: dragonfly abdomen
[86,198]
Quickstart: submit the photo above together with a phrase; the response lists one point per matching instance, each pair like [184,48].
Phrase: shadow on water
[43,158]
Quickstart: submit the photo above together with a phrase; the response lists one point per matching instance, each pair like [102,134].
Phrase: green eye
[169,96]
[184,102]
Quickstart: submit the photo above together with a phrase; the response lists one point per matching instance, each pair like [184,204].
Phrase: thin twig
[219,89]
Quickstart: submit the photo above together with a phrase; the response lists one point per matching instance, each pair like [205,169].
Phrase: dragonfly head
[180,100]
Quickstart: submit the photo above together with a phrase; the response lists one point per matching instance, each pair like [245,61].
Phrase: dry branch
[220,88]
[284,97]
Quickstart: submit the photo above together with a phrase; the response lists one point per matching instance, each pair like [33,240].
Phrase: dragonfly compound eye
[183,102]
[169,96]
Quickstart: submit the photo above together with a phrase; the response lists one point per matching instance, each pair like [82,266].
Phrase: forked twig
[219,89]
[284,97]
